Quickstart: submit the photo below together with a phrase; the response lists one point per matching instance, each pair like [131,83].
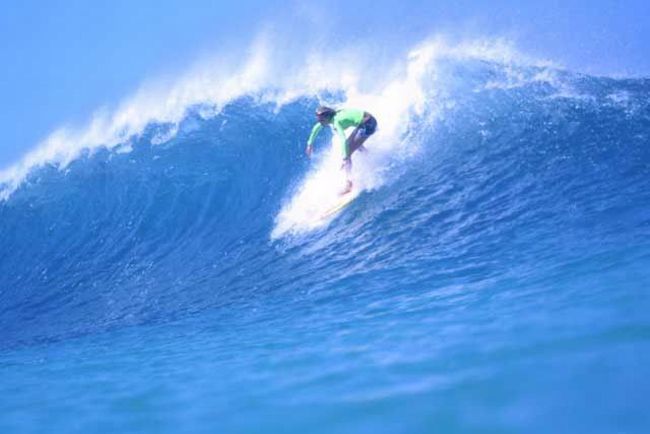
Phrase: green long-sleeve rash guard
[342,120]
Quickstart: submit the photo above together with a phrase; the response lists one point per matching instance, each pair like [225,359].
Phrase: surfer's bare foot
[347,189]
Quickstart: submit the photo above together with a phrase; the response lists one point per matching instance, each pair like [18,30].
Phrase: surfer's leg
[361,134]
[356,142]
[347,168]
[347,188]
[352,141]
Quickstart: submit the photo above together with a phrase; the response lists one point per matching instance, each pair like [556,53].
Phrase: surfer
[339,120]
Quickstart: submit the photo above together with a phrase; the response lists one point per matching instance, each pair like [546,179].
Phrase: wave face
[492,275]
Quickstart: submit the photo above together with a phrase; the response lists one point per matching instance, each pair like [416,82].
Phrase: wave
[485,165]
[266,75]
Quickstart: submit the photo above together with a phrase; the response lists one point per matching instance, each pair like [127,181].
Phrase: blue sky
[61,60]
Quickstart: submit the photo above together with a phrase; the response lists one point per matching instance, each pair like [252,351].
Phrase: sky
[64,59]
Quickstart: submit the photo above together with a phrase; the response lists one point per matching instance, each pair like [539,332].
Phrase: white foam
[393,105]
[266,74]
[407,94]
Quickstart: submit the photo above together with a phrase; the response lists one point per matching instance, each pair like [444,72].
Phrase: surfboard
[339,205]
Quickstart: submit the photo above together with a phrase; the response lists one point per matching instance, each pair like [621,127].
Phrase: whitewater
[160,267]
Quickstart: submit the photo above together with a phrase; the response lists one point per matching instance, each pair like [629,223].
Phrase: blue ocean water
[494,281]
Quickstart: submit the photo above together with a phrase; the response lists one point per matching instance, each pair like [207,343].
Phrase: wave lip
[267,75]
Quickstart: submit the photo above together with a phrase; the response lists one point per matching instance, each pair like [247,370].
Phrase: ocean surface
[493,275]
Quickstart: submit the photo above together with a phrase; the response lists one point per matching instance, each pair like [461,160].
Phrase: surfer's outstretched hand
[309,150]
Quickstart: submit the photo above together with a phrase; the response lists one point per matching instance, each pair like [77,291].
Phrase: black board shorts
[368,127]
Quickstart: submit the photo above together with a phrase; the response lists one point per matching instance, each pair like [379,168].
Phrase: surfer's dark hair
[325,112]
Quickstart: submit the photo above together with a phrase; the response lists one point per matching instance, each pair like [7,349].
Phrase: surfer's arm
[344,141]
[314,132]
[310,141]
